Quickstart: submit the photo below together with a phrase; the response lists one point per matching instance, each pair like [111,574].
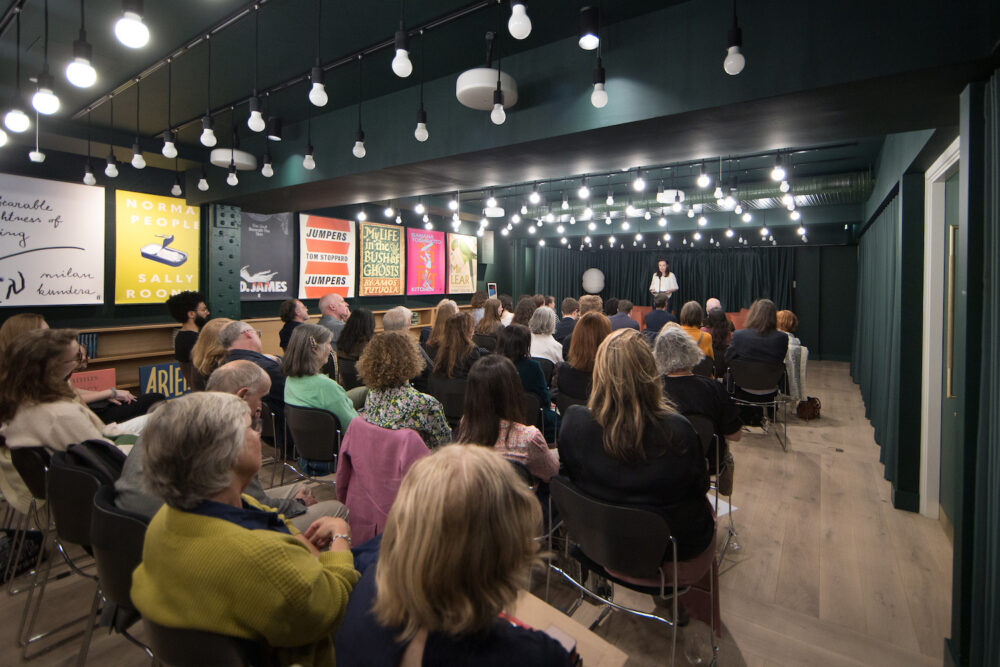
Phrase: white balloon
[593,281]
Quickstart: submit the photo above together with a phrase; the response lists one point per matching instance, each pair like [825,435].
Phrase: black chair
[523,472]
[711,443]
[547,368]
[451,393]
[316,433]
[533,415]
[760,376]
[485,341]
[705,367]
[628,540]
[347,374]
[178,647]
[116,536]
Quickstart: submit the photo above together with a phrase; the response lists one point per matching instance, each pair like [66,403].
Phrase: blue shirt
[247,516]
[656,319]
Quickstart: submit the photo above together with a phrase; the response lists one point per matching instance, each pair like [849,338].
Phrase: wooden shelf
[128,357]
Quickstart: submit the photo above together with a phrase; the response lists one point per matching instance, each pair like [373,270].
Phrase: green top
[319,391]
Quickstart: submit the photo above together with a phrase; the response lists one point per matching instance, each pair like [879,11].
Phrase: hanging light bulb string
[360,82]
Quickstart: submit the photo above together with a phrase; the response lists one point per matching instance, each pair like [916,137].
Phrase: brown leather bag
[809,408]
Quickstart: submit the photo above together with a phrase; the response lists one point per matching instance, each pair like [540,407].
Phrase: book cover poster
[156,247]
[382,260]
[425,262]
[462,260]
[51,242]
[266,256]
[326,256]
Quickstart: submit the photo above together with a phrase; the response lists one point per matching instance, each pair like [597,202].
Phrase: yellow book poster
[382,260]
[462,258]
[156,247]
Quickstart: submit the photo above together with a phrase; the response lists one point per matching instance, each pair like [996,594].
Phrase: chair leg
[88,631]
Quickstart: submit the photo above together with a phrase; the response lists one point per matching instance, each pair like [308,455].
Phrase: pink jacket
[370,468]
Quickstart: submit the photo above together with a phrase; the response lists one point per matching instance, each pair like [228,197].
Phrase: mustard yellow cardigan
[209,574]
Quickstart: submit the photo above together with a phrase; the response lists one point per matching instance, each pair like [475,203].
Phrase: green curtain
[875,362]
[735,276]
[986,554]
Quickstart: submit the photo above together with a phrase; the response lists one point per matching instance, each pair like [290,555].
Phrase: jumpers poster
[381,260]
[326,256]
[462,261]
[424,262]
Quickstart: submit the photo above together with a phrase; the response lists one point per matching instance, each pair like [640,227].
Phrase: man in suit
[588,303]
[660,315]
[621,319]
[570,313]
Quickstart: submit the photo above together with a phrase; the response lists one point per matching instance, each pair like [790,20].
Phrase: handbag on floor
[809,408]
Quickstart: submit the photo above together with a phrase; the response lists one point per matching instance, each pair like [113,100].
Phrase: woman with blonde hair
[438,589]
[630,447]
[386,366]
[15,326]
[208,353]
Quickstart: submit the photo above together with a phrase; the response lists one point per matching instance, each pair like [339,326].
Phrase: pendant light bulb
[453,204]
[36,156]
[778,173]
[88,176]
[130,30]
[639,184]
[232,179]
[718,193]
[309,162]
[388,212]
[729,233]
[80,72]
[419,208]
[44,100]
[704,180]
[795,215]
[599,98]
[359,145]
[610,201]
[784,187]
[267,171]
[421,133]
[535,198]
[734,62]
[256,120]
[137,160]
[203,183]
[175,189]
[401,65]
[317,94]
[519,24]
[747,217]
[207,133]
[16,120]
[111,170]
[498,115]
[589,28]
[169,148]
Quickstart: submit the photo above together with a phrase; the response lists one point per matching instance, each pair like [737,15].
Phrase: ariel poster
[425,262]
[463,252]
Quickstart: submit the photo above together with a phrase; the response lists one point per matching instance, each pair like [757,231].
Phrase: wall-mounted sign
[326,256]
[382,260]
[165,379]
[156,247]
[462,259]
[266,257]
[425,262]
[51,242]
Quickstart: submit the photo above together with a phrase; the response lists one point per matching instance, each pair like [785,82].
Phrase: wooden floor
[828,572]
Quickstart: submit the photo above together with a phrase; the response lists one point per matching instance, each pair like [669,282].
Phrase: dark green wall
[824,299]
[949,453]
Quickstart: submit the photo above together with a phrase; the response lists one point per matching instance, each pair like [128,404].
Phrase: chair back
[485,341]
[564,401]
[71,490]
[31,464]
[547,368]
[523,472]
[628,540]
[451,393]
[178,647]
[116,537]
[531,405]
[315,432]
[705,429]
[268,428]
[347,372]
[705,367]
[757,375]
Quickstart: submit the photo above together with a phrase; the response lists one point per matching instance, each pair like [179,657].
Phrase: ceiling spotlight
[401,65]
[764,231]
[778,173]
[639,184]
[704,180]
[111,170]
[702,221]
[784,187]
[362,216]
[207,133]
[308,161]
[256,121]
[610,201]
[599,98]
[734,62]
[232,179]
[519,24]
[590,26]
[747,217]
[274,128]
[419,208]
[584,191]
[317,94]
[130,30]
[267,171]
[795,215]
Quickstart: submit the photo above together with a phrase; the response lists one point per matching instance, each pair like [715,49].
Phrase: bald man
[334,312]
[712,303]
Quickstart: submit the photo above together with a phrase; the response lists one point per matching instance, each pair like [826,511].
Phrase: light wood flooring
[828,573]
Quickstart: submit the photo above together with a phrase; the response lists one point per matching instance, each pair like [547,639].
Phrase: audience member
[357,332]
[386,366]
[539,300]
[659,315]
[676,354]
[760,340]
[514,343]
[334,311]
[444,310]
[630,447]
[293,313]
[524,310]
[508,309]
[16,326]
[492,416]
[190,310]
[306,387]
[691,319]
[573,378]
[787,323]
[712,303]
[218,561]
[426,603]
[718,326]
[398,319]
[248,381]
[457,352]
[570,312]
[208,353]
[550,302]
[588,303]
[476,305]
[241,341]
[490,321]
[611,307]
[543,345]
[621,319]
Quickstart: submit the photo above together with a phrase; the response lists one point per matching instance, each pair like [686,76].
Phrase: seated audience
[508,309]
[718,326]
[386,366]
[659,315]
[293,313]
[398,319]
[539,300]
[570,312]
[760,340]
[550,302]
[208,353]
[306,387]
[787,324]
[444,310]
[241,341]
[621,319]
[573,378]
[476,306]
[190,310]
[248,381]
[334,311]
[630,447]
[16,326]
[676,354]
[712,303]
[435,596]
[543,345]
[492,417]
[691,319]
[214,559]
[490,322]
[357,332]
[588,303]
[515,343]
[611,307]
[456,352]
[524,310]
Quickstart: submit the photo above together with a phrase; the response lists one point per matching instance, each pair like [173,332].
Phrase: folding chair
[710,439]
[760,376]
[547,368]
[451,393]
[316,435]
[485,341]
[179,647]
[531,405]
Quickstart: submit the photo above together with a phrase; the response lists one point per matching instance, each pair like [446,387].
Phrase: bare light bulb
[169,149]
[267,171]
[16,120]
[795,215]
[88,176]
[419,208]
[359,149]
[734,62]
[729,233]
[599,98]
[702,221]
[81,73]
[498,115]
[534,198]
[401,64]
[704,180]
[747,217]
[232,179]
[207,133]
[308,161]
[138,162]
[610,200]
[801,231]
[519,24]
[453,204]
[639,184]
[203,184]
[130,30]
[388,212]
[784,187]
[176,189]
[44,100]
[256,121]
[718,193]
[421,133]
[111,170]
[362,216]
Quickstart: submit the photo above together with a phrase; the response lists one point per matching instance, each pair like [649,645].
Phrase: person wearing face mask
[190,310]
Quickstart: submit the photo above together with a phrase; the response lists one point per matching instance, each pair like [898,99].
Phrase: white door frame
[932,364]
